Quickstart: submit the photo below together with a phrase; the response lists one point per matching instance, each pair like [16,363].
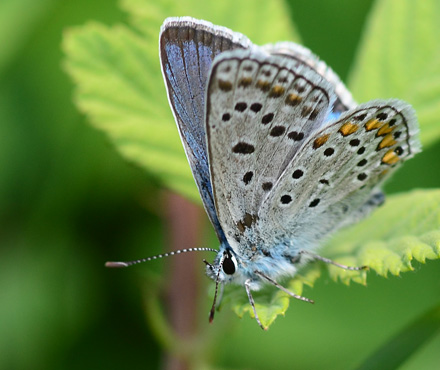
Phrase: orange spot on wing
[390,157]
[320,141]
[387,142]
[263,85]
[372,124]
[293,99]
[276,91]
[224,85]
[245,82]
[348,129]
[385,129]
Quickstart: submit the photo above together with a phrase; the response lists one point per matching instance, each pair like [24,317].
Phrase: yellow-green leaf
[399,57]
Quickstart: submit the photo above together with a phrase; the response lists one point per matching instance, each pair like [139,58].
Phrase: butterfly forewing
[260,110]
[187,49]
[336,173]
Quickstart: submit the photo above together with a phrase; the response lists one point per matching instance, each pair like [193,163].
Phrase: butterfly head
[225,267]
[229,267]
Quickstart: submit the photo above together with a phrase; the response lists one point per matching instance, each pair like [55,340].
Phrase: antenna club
[116,264]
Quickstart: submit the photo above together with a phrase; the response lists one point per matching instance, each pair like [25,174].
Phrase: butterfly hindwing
[335,175]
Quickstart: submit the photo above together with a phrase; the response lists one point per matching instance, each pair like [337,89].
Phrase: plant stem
[183,227]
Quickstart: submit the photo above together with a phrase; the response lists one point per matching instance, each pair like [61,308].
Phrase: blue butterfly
[280,152]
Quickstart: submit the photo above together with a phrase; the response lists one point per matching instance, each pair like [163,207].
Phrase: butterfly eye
[228,264]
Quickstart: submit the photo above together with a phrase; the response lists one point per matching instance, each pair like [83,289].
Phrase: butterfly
[281,153]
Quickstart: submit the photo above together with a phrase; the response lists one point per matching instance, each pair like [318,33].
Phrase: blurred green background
[69,202]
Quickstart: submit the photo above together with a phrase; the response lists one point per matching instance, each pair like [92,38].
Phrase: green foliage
[406,228]
[399,57]
[60,187]
[121,90]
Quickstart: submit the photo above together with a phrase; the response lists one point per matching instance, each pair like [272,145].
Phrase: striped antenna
[217,281]
[130,263]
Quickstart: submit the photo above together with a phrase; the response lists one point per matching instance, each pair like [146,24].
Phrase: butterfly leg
[273,282]
[329,261]
[247,284]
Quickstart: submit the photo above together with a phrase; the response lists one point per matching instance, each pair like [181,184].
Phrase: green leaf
[119,83]
[406,228]
[399,57]
[120,89]
[400,348]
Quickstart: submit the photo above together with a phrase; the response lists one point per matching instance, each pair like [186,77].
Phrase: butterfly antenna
[112,264]
[217,281]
